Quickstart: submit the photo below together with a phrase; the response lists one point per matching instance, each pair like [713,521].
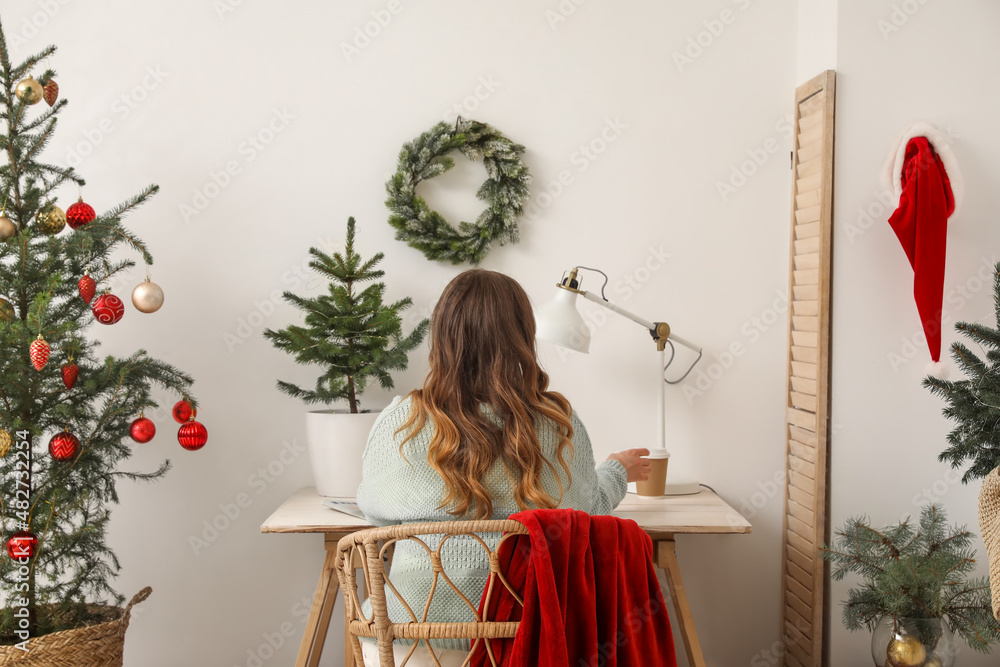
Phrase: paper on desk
[344,506]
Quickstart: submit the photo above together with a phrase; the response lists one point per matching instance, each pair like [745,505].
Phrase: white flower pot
[336,439]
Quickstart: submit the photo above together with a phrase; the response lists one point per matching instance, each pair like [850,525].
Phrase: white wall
[670,182]
[900,62]
[817,38]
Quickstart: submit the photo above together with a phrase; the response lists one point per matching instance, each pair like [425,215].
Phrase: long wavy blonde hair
[483,354]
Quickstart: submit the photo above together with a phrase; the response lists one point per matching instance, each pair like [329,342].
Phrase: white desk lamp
[560,323]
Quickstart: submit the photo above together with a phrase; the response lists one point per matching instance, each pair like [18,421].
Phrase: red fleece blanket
[591,597]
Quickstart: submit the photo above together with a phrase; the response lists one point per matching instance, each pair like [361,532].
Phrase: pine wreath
[505,191]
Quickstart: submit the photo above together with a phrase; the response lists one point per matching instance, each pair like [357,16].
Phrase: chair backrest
[369,549]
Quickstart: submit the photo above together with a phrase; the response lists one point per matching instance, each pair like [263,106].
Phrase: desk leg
[318,623]
[666,558]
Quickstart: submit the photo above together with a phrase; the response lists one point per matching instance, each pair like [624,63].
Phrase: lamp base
[676,486]
[681,486]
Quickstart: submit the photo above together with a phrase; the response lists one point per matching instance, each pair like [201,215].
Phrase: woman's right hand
[636,468]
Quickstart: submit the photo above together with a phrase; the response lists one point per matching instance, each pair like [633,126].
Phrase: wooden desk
[662,518]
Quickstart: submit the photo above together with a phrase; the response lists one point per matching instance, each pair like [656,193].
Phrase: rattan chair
[371,548]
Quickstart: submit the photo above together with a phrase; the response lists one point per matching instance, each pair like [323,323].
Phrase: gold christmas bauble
[7,313]
[29,91]
[5,441]
[147,297]
[7,228]
[933,661]
[51,220]
[905,651]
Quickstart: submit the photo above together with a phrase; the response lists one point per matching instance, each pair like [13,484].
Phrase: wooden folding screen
[803,572]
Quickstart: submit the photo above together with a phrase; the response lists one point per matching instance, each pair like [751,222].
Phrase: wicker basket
[989,525]
[100,645]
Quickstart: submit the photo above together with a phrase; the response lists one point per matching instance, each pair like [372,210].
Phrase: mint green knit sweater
[393,491]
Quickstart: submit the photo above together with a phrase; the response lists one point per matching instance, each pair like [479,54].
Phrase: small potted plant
[355,338]
[915,595]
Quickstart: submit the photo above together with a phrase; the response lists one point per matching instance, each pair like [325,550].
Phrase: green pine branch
[973,402]
[917,573]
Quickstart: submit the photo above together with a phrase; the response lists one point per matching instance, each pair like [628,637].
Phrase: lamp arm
[686,343]
[590,296]
[651,326]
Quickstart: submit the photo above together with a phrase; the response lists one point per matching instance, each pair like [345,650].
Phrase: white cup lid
[655,453]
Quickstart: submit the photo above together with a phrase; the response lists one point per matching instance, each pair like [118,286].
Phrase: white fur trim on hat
[892,172]
[938,369]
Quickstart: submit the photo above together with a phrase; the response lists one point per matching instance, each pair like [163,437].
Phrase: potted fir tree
[915,593]
[66,412]
[355,338]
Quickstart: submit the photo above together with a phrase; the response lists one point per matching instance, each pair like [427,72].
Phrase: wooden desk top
[703,512]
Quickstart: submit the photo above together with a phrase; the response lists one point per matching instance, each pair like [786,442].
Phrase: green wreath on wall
[505,192]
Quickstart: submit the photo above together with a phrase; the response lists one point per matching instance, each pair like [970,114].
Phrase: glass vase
[933,634]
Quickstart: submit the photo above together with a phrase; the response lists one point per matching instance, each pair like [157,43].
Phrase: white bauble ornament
[147,297]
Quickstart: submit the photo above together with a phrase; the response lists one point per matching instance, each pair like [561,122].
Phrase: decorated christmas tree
[349,332]
[974,401]
[66,415]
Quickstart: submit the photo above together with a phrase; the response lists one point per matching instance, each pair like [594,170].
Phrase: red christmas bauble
[22,544]
[108,309]
[184,411]
[192,435]
[38,351]
[79,214]
[70,372]
[142,429]
[88,287]
[64,446]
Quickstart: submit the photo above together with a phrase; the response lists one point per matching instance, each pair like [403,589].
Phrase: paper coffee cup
[657,482]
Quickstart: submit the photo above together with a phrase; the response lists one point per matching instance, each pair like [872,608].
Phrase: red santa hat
[923,173]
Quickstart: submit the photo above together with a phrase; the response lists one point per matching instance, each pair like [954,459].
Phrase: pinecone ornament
[88,288]
[51,92]
[39,353]
[70,372]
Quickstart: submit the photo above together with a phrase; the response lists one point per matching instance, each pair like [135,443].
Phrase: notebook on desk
[344,506]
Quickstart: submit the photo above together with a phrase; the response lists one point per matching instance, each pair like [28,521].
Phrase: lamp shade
[559,322]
